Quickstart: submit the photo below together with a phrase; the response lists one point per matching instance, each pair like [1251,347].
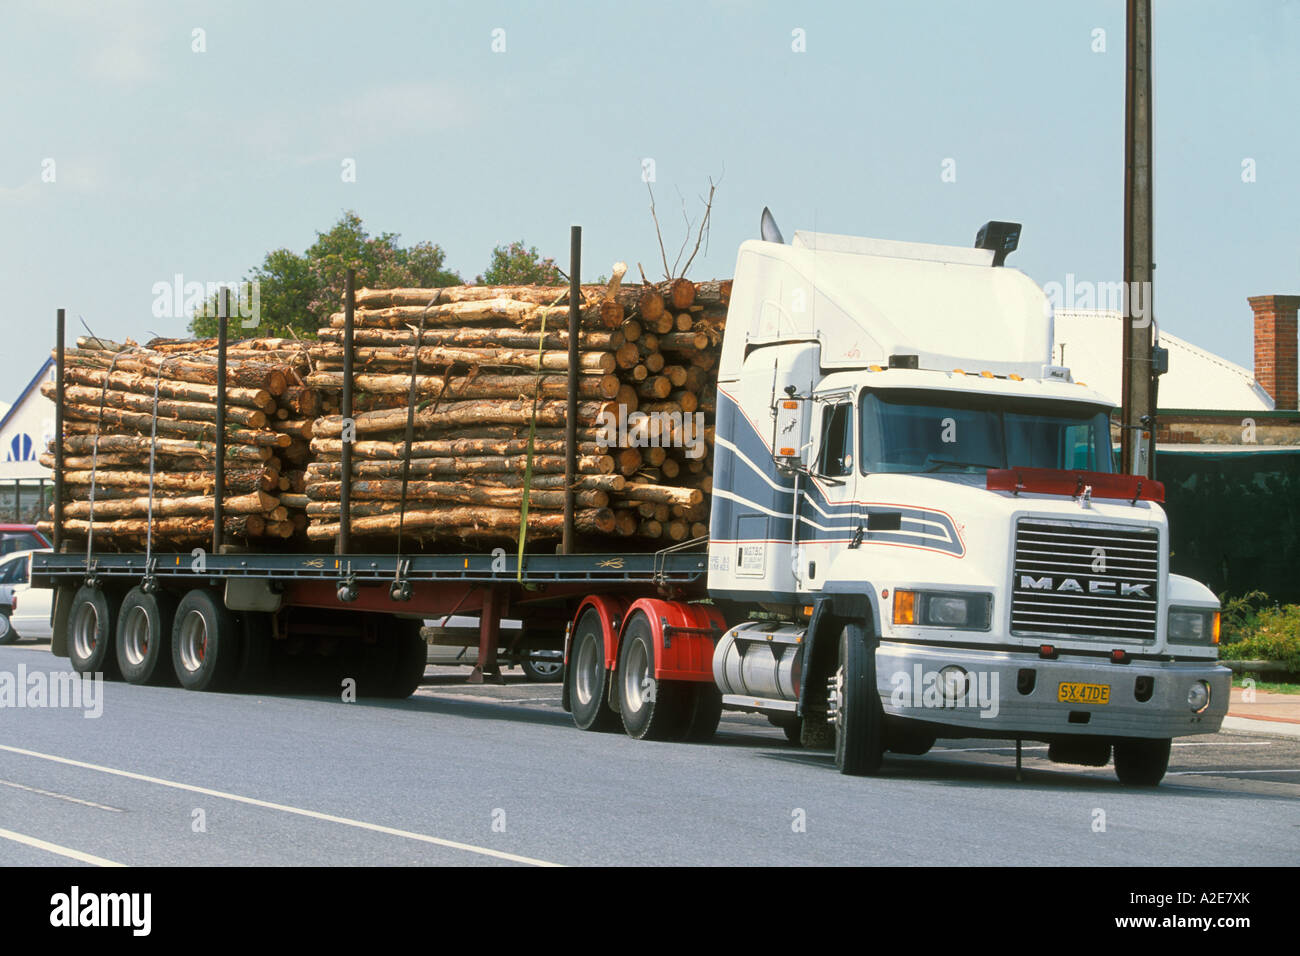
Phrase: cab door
[827,507]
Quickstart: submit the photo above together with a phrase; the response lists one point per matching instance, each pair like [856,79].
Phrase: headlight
[1198,698]
[1193,626]
[967,612]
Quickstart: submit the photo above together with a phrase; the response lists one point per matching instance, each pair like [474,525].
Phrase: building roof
[1196,379]
[35,383]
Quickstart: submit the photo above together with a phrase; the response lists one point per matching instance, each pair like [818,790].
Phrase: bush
[1255,629]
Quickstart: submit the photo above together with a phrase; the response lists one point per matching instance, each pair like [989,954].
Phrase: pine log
[330,493]
[473,386]
[175,447]
[166,407]
[472,413]
[236,481]
[485,465]
[470,523]
[115,417]
[478,337]
[200,369]
[253,503]
[169,388]
[600,363]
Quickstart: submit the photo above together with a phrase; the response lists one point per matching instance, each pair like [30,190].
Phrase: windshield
[914,431]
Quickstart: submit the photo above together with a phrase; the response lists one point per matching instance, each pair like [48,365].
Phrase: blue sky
[172,161]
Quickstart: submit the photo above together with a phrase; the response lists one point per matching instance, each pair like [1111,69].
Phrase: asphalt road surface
[498,775]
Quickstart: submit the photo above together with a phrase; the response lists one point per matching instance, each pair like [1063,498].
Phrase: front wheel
[854,705]
[1141,762]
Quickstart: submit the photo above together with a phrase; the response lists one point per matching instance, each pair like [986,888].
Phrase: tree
[298,293]
[517,265]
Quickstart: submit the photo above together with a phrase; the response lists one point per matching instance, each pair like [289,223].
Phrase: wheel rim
[136,632]
[547,668]
[586,677]
[635,670]
[193,641]
[835,697]
[85,630]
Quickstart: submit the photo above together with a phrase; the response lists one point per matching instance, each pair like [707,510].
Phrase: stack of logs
[125,404]
[490,366]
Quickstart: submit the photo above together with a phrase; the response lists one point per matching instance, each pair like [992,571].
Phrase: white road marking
[55,848]
[283,808]
[1219,773]
[60,796]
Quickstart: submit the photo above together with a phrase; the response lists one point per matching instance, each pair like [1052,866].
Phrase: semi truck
[917,532]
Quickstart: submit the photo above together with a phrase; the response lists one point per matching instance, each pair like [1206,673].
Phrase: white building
[25,430]
[1089,343]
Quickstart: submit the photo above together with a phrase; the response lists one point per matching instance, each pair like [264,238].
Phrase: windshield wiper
[938,463]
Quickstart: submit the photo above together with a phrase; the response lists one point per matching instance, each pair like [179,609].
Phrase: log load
[475,368]
[140,438]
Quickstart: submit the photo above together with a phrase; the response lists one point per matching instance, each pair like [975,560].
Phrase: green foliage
[517,265]
[298,293]
[1256,629]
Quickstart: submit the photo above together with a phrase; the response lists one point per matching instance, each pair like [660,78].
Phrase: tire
[1141,762]
[7,633]
[588,678]
[651,710]
[542,670]
[855,702]
[205,642]
[411,656]
[144,636]
[790,725]
[706,711]
[92,629]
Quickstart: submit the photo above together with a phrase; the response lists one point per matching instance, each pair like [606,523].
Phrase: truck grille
[1085,581]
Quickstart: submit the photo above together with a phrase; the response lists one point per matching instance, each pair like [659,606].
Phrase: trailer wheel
[1141,762]
[706,711]
[855,704]
[92,624]
[205,642]
[651,709]
[589,680]
[411,658]
[144,633]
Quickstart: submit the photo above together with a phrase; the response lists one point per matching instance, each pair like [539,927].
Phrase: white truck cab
[925,510]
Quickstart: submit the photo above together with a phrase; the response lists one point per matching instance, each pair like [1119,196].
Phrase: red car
[21,537]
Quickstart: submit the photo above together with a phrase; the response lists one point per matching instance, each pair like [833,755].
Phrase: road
[497,775]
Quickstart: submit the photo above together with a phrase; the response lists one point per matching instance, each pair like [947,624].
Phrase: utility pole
[1138,381]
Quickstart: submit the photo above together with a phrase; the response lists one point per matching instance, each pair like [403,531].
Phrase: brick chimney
[1276,367]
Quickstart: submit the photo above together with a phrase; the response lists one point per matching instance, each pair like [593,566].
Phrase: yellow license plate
[1070,693]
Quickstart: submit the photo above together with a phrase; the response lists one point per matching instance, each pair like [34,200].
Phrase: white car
[24,610]
[454,641]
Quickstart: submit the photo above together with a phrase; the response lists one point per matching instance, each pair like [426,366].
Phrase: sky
[146,140]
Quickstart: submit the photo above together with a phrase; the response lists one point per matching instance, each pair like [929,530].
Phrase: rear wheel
[205,642]
[7,633]
[144,631]
[1141,762]
[854,703]
[651,709]
[589,680]
[92,625]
